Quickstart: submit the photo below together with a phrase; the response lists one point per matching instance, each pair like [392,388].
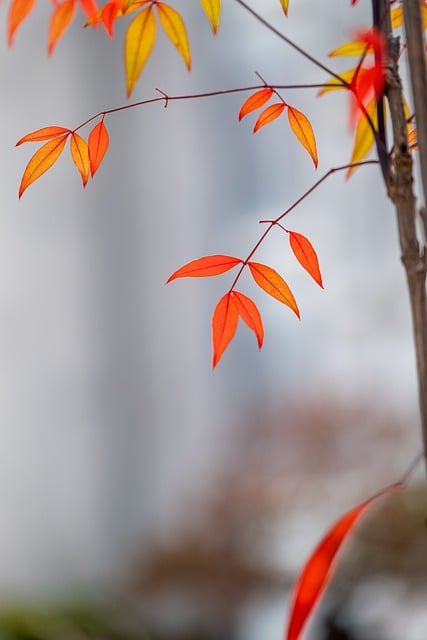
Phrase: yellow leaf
[212,8]
[41,161]
[396,15]
[355,48]
[285,6]
[80,155]
[303,130]
[175,30]
[139,42]
[333,83]
[364,137]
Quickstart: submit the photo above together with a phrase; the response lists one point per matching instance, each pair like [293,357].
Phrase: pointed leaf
[269,280]
[224,325]
[89,8]
[206,266]
[18,11]
[175,30]
[46,133]
[249,313]
[354,48]
[41,161]
[269,114]
[333,84]
[139,42]
[98,142]
[60,20]
[364,137]
[413,140]
[285,6]
[109,13]
[255,101]
[303,130]
[212,8]
[396,15]
[319,568]
[80,155]
[306,255]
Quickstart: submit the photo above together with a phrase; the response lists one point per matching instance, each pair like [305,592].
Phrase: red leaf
[224,325]
[46,133]
[41,161]
[318,570]
[109,14]
[269,114]
[18,11]
[269,280]
[306,255]
[89,7]
[255,101]
[60,20]
[249,313]
[206,266]
[98,142]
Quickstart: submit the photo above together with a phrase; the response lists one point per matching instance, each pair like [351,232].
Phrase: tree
[372,83]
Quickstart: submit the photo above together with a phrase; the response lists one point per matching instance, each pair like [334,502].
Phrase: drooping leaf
[333,84]
[206,266]
[89,8]
[224,325]
[273,283]
[306,255]
[80,155]
[46,133]
[285,6]
[354,48]
[212,8]
[109,14]
[249,313]
[396,15]
[364,136]
[41,161]
[18,11]
[303,130]
[413,140]
[255,101]
[98,142]
[139,42]
[60,20]
[175,30]
[269,114]
[319,568]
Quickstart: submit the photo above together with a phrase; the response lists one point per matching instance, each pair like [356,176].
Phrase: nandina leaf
[269,114]
[41,161]
[18,11]
[303,130]
[354,48]
[212,8]
[285,6]
[269,280]
[249,313]
[175,30]
[332,84]
[224,325]
[139,42]
[109,14]
[318,570]
[306,255]
[206,266]
[89,8]
[98,142]
[46,133]
[396,16]
[364,136]
[80,155]
[60,20]
[413,140]
[255,101]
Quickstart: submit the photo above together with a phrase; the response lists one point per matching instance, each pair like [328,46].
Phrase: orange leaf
[175,30]
[255,101]
[269,114]
[306,255]
[224,325]
[206,266]
[109,14]
[80,155]
[41,161]
[46,133]
[249,313]
[18,11]
[303,130]
[319,568]
[212,8]
[269,280]
[413,140]
[139,42]
[364,137]
[60,20]
[285,6]
[98,142]
[89,7]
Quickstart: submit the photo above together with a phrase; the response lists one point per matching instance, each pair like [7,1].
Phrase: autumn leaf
[333,84]
[354,48]
[139,42]
[41,161]
[413,140]
[18,11]
[249,313]
[80,155]
[269,114]
[364,136]
[269,280]
[303,130]
[60,20]
[206,266]
[255,101]
[396,16]
[89,8]
[224,325]
[306,255]
[109,14]
[46,133]
[212,8]
[98,142]
[285,6]
[319,568]
[175,30]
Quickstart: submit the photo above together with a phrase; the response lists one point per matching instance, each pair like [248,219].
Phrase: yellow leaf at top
[355,48]
[285,6]
[139,42]
[175,30]
[212,8]
[396,15]
[364,136]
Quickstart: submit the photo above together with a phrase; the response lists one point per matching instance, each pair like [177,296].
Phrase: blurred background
[143,495]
